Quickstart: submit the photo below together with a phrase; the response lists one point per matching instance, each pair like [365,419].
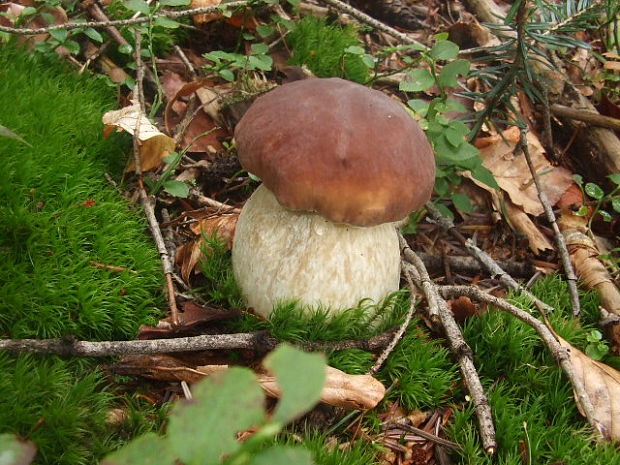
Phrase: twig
[485,260]
[559,353]
[469,265]
[147,202]
[458,346]
[559,238]
[586,116]
[208,201]
[186,62]
[118,269]
[363,17]
[96,12]
[124,22]
[398,334]
[259,340]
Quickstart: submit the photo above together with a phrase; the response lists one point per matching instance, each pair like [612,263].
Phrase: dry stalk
[457,344]
[148,203]
[259,341]
[559,238]
[559,353]
[494,270]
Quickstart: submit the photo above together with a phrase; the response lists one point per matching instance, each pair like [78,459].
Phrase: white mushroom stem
[281,255]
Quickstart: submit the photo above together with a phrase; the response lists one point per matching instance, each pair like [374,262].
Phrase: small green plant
[172,186]
[597,348]
[203,431]
[449,137]
[229,65]
[600,198]
[329,50]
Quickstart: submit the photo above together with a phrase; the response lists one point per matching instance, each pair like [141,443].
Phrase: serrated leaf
[93,34]
[484,175]
[417,80]
[59,34]
[444,50]
[615,178]
[448,77]
[137,5]
[418,105]
[165,22]
[461,202]
[175,2]
[148,449]
[300,376]
[594,191]
[176,188]
[203,430]
[283,455]
[456,132]
[262,62]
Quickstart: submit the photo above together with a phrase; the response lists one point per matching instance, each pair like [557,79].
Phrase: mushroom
[340,165]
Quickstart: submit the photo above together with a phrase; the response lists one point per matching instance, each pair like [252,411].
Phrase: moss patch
[57,215]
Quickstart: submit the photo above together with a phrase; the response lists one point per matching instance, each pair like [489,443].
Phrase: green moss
[57,215]
[321,47]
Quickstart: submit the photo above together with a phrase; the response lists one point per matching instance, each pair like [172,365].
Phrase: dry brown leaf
[513,175]
[602,383]
[154,145]
[188,257]
[537,241]
[199,20]
[584,257]
[359,392]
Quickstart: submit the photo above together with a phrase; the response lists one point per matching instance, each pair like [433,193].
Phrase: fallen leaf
[202,19]
[537,241]
[602,383]
[171,83]
[513,175]
[154,145]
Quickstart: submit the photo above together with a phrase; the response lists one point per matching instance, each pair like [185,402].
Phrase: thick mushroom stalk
[281,255]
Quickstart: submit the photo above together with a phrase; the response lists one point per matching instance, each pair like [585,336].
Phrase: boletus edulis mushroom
[340,165]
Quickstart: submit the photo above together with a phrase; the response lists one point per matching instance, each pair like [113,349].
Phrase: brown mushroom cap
[338,148]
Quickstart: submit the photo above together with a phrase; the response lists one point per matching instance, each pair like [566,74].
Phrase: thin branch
[494,270]
[259,340]
[559,353]
[147,202]
[586,116]
[398,334]
[363,17]
[458,346]
[124,22]
[559,238]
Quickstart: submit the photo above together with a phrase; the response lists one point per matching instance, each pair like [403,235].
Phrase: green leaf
[615,178]
[165,22]
[482,174]
[594,336]
[6,132]
[148,449]
[264,31]
[596,351]
[176,188]
[607,218]
[594,191]
[583,211]
[445,211]
[227,74]
[450,72]
[578,179]
[59,34]
[355,50]
[369,60]
[461,202]
[259,48]
[417,80]
[15,452]
[203,430]
[262,62]
[444,50]
[125,49]
[442,187]
[175,2]
[615,204]
[300,376]
[138,5]
[418,105]
[93,34]
[283,455]
[294,2]
[456,132]
[72,46]
[28,11]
